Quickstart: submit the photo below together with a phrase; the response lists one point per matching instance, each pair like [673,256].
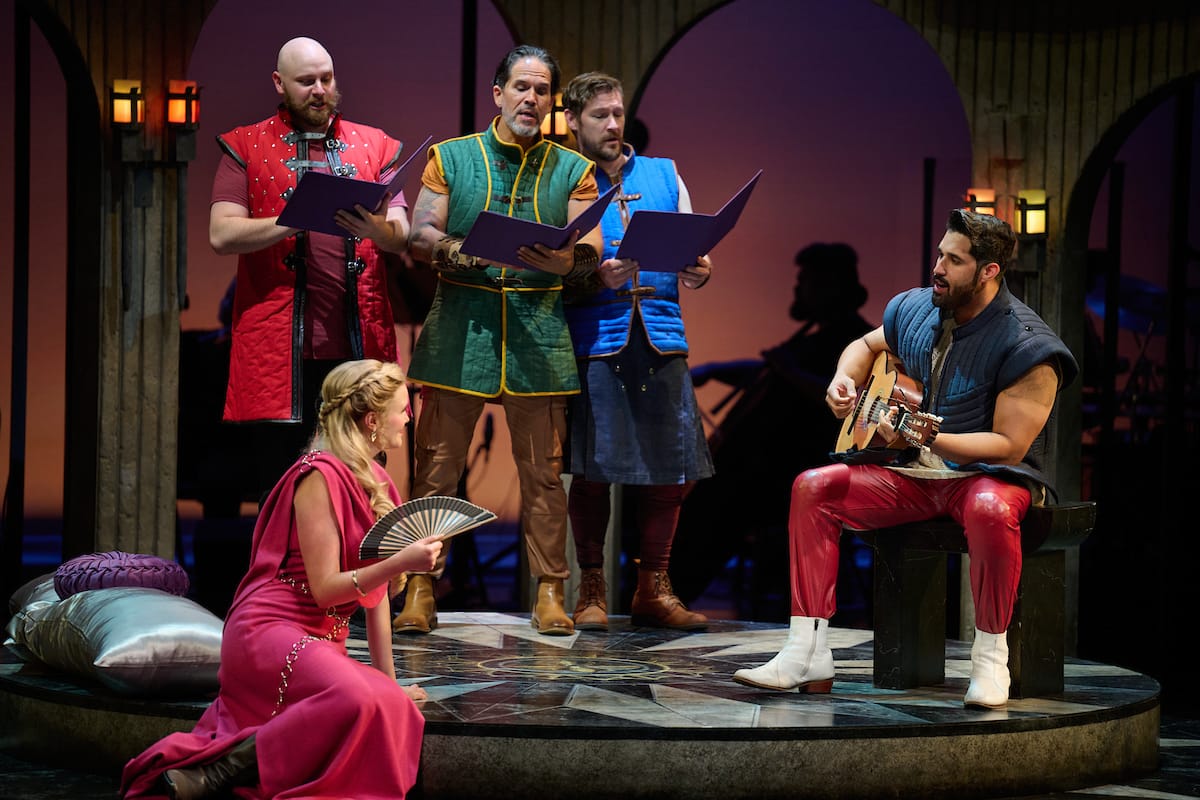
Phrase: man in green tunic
[497,331]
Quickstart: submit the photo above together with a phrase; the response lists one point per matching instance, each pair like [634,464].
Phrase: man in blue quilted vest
[991,369]
[496,332]
[636,422]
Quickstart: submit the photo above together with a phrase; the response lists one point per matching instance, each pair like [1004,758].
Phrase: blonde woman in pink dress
[296,716]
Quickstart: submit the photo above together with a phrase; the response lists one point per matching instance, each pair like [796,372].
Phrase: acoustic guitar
[888,386]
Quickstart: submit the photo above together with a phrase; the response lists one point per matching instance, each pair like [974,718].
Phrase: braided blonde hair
[349,392]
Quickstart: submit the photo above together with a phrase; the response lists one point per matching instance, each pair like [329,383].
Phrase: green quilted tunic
[486,333]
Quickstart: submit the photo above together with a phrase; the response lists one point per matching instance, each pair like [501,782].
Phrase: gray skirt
[636,421]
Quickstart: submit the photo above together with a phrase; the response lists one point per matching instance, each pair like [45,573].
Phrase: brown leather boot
[238,767]
[419,614]
[656,606]
[591,611]
[548,615]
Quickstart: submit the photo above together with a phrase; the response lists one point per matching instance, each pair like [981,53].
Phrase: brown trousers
[538,426]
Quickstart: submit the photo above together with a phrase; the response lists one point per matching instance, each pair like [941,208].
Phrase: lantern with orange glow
[554,126]
[183,104]
[981,200]
[128,103]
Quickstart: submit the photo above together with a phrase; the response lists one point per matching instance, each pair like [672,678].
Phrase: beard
[520,127]
[957,296]
[607,150]
[315,119]
[952,299]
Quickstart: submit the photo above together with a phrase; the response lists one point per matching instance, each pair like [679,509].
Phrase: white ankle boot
[804,663]
[989,671]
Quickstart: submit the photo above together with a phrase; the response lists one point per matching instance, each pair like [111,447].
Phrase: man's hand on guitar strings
[841,395]
[888,423]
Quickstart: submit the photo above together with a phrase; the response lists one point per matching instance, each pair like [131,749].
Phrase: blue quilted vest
[986,356]
[601,323]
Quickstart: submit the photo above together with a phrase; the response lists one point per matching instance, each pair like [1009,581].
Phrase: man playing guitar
[991,370]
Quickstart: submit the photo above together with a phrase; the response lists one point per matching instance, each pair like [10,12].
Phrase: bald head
[298,52]
[304,79]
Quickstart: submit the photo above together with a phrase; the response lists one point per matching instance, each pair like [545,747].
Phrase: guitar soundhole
[863,394]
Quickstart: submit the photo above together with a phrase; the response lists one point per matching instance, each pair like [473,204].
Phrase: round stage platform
[638,712]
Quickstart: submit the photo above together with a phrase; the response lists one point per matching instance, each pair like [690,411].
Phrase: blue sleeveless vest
[601,323]
[986,356]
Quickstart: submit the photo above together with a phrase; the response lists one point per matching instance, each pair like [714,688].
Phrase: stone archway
[1138,440]
[81,206]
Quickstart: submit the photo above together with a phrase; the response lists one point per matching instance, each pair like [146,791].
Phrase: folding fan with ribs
[418,519]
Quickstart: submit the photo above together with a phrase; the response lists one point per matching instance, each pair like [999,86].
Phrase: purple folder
[320,195]
[495,238]
[670,241]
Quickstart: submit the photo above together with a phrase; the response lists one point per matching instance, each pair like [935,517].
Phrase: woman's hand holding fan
[421,518]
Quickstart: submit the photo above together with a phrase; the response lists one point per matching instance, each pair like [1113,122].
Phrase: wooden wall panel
[1057,119]
[591,48]
[626,38]
[131,415]
[1072,101]
[1019,64]
[1160,49]
[1062,71]
[1106,73]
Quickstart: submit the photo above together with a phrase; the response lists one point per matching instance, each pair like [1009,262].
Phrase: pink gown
[325,724]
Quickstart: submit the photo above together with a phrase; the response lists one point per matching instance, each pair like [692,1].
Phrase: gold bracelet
[354,577]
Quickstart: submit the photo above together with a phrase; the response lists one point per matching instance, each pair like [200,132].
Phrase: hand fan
[418,519]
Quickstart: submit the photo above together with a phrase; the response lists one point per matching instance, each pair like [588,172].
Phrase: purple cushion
[108,570]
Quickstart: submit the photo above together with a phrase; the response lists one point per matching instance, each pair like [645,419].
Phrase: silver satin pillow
[133,640]
[37,593]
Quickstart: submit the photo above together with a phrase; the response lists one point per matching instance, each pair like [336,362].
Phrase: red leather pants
[866,497]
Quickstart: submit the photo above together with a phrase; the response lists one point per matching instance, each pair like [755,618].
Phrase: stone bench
[910,598]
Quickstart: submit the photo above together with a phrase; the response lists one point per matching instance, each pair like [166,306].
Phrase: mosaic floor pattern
[644,712]
[494,669]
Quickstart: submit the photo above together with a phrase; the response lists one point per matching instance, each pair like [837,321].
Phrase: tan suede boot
[656,606]
[591,611]
[548,615]
[419,614]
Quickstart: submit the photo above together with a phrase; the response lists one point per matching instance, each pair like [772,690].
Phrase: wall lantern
[183,104]
[1031,211]
[139,166]
[981,200]
[554,126]
[128,109]
[183,118]
[128,103]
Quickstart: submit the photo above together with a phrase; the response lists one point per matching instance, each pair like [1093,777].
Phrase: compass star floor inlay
[636,712]
[481,667]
